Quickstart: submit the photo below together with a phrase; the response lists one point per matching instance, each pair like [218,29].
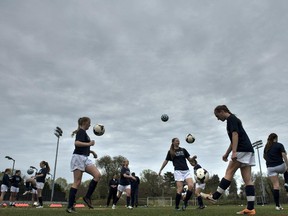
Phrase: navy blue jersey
[6,180]
[135,183]
[273,156]
[82,137]
[113,182]
[123,180]
[235,125]
[43,171]
[179,160]
[15,180]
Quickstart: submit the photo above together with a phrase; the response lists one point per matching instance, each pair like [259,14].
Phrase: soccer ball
[190,138]
[164,117]
[35,204]
[185,188]
[30,171]
[201,175]
[99,129]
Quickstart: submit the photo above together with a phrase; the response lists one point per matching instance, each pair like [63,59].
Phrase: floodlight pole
[58,133]
[259,144]
[10,158]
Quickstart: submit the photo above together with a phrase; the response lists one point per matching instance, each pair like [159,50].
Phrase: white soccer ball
[30,171]
[202,175]
[190,138]
[185,188]
[35,204]
[99,129]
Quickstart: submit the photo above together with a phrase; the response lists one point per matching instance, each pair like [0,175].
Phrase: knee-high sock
[116,200]
[91,188]
[286,177]
[200,201]
[223,185]
[276,196]
[72,195]
[177,200]
[250,194]
[40,201]
[188,196]
[128,201]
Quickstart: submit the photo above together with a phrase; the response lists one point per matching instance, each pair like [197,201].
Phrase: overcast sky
[125,63]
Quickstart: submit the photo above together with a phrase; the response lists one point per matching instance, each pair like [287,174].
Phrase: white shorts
[246,158]
[14,189]
[181,175]
[200,185]
[4,188]
[122,188]
[34,191]
[80,162]
[40,185]
[274,171]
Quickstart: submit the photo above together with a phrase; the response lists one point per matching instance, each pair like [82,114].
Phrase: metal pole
[54,173]
[13,166]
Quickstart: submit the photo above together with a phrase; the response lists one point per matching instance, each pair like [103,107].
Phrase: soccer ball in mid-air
[185,188]
[164,117]
[99,129]
[30,171]
[190,138]
[201,175]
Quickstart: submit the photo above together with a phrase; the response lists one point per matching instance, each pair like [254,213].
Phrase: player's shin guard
[224,184]
[177,200]
[91,188]
[72,195]
[250,194]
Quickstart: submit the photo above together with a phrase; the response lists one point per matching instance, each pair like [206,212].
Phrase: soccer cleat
[113,206]
[129,207]
[208,197]
[39,206]
[279,208]
[71,210]
[201,207]
[247,211]
[88,202]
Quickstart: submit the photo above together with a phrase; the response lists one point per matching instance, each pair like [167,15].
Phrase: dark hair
[220,108]
[270,142]
[47,165]
[81,121]
[172,149]
[17,171]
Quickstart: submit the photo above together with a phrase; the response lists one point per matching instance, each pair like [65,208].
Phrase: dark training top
[123,180]
[82,137]
[179,160]
[235,125]
[274,155]
[6,180]
[16,179]
[43,171]
[113,182]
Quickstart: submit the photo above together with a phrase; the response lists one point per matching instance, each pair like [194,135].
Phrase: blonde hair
[81,121]
[172,149]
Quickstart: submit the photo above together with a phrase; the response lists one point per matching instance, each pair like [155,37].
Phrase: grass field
[215,210]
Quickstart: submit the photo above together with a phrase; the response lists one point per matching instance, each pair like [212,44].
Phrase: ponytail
[80,123]
[270,141]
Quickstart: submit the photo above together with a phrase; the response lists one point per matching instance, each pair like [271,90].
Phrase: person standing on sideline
[182,173]
[113,184]
[81,163]
[276,163]
[134,190]
[5,184]
[38,181]
[242,158]
[15,181]
[124,185]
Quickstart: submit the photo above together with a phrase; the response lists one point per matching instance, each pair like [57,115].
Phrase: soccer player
[81,163]
[38,181]
[199,186]
[124,185]
[15,181]
[276,163]
[113,184]
[242,158]
[134,190]
[5,184]
[178,156]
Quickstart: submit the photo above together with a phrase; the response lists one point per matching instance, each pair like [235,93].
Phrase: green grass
[211,210]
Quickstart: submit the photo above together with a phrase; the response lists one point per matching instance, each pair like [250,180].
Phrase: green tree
[151,184]
[233,193]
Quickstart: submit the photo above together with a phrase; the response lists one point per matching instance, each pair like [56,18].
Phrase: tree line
[152,185]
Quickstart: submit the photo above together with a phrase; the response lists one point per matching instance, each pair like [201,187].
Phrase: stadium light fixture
[58,133]
[10,158]
[259,144]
